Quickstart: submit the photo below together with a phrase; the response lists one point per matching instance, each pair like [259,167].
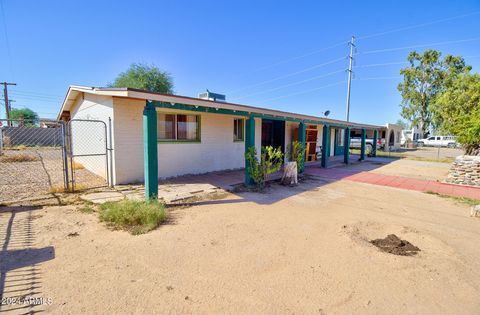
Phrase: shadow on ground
[20,274]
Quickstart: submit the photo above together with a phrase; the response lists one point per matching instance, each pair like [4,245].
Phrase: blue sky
[262,53]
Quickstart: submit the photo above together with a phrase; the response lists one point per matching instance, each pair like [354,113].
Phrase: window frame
[176,140]
[243,129]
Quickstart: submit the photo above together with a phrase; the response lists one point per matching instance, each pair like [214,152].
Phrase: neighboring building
[392,134]
[193,135]
[411,135]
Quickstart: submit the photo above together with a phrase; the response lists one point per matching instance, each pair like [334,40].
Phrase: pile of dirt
[394,245]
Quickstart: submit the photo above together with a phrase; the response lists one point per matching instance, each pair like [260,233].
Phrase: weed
[136,217]
[464,200]
[87,209]
[18,158]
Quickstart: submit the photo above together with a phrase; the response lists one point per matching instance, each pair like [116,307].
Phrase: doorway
[273,133]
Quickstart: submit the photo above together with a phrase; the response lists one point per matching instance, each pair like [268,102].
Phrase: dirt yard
[34,172]
[292,250]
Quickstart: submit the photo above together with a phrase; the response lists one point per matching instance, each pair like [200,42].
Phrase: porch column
[363,144]
[346,148]
[302,134]
[249,142]
[150,151]
[374,144]
[325,145]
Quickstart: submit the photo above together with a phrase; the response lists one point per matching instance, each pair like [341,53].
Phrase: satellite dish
[326,113]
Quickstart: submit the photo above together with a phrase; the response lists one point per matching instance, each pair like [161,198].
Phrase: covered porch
[262,127]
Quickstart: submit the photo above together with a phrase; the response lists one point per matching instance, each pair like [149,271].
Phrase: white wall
[216,151]
[89,137]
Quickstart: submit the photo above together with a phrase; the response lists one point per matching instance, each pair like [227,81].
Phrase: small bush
[136,217]
[271,161]
[297,154]
[18,158]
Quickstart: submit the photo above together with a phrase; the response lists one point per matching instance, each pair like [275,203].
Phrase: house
[170,135]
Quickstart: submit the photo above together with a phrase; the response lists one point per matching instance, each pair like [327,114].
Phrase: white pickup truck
[356,143]
[438,141]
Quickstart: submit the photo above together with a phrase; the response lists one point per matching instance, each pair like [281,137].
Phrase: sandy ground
[415,169]
[293,250]
[36,179]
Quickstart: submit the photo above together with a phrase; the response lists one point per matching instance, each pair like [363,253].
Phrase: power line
[301,56]
[382,64]
[304,92]
[378,78]
[290,74]
[420,46]
[35,96]
[6,39]
[418,25]
[291,84]
[37,93]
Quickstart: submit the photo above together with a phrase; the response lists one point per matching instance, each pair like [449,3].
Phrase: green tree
[402,123]
[427,76]
[145,77]
[459,110]
[26,116]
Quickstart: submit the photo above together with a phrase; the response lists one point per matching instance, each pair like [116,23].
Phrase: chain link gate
[32,159]
[88,154]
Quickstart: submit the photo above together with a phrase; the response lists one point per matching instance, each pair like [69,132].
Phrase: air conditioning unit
[212,96]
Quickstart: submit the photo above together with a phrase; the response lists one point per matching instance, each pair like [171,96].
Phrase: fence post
[65,157]
[110,151]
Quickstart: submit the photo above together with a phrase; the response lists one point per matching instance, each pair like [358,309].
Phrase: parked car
[355,143]
[438,141]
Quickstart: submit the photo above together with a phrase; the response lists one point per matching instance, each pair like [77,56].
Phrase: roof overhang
[75,91]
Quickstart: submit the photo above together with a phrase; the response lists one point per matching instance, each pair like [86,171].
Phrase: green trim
[224,111]
[243,130]
[325,145]
[199,129]
[150,151]
[346,144]
[249,142]
[177,141]
[302,134]
[374,144]
[363,144]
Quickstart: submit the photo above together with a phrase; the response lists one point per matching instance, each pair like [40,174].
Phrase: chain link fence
[32,156]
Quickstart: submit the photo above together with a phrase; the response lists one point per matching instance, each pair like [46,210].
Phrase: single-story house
[163,136]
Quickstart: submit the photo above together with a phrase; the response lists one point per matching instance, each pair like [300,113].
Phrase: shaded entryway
[273,133]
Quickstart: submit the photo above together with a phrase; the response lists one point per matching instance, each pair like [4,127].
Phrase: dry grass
[77,166]
[61,189]
[464,200]
[18,158]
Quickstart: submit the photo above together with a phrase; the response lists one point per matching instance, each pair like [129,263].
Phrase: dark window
[178,127]
[238,132]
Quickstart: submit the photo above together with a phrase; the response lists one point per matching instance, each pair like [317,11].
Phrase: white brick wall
[89,137]
[216,151]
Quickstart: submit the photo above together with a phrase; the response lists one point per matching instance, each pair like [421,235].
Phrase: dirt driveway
[293,250]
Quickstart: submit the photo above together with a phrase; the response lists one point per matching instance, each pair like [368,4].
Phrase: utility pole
[7,103]
[350,72]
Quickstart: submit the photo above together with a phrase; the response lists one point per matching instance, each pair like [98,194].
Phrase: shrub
[77,166]
[270,162]
[297,154]
[136,217]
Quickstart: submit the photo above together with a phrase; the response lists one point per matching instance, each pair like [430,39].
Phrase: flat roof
[75,90]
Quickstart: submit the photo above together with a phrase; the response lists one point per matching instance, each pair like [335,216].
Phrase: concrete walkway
[396,181]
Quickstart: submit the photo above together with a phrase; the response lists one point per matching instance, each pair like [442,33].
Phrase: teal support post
[346,148]
[363,144]
[249,142]
[150,151]
[374,144]
[302,135]
[325,145]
